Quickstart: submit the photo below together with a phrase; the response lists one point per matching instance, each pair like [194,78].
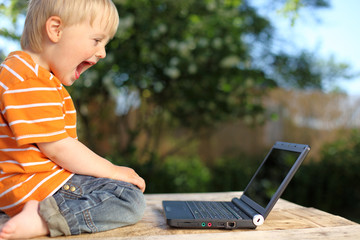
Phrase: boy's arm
[77,158]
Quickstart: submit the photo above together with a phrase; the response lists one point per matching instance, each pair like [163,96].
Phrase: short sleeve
[34,110]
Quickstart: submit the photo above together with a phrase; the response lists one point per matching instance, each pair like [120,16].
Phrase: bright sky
[337,33]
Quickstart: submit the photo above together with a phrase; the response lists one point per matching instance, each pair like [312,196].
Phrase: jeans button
[72,189]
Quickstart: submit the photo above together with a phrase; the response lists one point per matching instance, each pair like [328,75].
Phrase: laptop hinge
[257,218]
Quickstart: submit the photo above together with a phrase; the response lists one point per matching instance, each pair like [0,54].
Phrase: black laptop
[254,205]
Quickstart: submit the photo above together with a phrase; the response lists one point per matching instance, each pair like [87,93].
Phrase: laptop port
[221,224]
[230,224]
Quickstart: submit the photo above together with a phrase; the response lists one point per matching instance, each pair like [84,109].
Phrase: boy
[50,183]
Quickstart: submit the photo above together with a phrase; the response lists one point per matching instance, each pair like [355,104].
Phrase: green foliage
[185,175]
[2,56]
[12,8]
[185,57]
[232,174]
[307,71]
[174,174]
[291,8]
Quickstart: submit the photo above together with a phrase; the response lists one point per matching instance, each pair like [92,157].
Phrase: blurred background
[193,93]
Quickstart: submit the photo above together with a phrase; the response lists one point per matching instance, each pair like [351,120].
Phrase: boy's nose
[101,53]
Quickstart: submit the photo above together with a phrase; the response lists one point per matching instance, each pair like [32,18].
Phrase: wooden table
[286,221]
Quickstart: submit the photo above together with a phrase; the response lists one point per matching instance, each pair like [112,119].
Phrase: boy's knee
[137,205]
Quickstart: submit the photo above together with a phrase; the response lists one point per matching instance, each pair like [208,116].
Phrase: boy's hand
[129,175]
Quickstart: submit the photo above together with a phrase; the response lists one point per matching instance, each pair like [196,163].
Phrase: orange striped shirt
[35,107]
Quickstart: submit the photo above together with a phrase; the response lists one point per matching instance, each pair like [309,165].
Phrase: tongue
[78,70]
[77,74]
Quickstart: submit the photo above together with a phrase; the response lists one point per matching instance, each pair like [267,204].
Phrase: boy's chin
[67,82]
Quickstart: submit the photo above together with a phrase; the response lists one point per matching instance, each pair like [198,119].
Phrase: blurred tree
[291,8]
[307,71]
[2,56]
[187,64]
[11,10]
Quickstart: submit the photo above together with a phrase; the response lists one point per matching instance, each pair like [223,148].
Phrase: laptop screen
[270,175]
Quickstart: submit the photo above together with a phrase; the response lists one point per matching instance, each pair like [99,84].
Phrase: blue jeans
[87,204]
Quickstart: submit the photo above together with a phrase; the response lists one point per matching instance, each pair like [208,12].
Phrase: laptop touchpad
[177,210]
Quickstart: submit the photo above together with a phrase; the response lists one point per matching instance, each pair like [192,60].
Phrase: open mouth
[82,67]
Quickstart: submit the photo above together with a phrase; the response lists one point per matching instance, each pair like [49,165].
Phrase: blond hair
[71,12]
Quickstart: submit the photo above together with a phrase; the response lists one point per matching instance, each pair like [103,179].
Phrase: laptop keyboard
[212,210]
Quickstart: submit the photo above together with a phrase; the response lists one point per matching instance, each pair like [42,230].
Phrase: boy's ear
[54,28]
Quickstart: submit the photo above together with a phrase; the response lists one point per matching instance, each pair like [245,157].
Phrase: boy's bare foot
[27,224]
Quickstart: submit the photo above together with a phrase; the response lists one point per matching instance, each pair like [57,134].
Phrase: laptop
[256,202]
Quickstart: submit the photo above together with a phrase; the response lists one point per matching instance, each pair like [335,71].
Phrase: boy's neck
[37,58]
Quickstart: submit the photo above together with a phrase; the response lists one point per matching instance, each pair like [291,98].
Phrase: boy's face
[79,47]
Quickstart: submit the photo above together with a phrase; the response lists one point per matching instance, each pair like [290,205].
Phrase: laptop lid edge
[299,148]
